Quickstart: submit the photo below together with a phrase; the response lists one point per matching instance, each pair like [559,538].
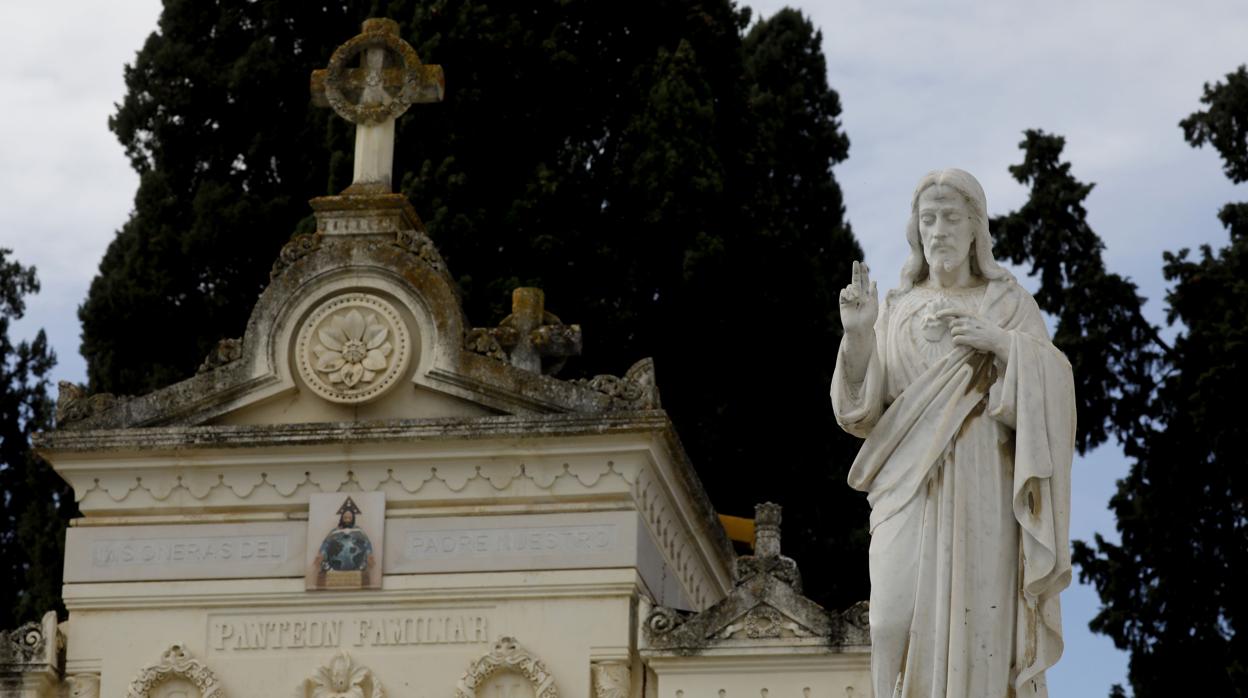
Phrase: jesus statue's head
[966,192]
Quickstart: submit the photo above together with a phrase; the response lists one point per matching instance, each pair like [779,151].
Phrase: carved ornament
[636,389]
[507,656]
[765,605]
[352,348]
[342,677]
[227,351]
[386,87]
[34,643]
[611,679]
[176,662]
[419,244]
[74,403]
[297,248]
[531,337]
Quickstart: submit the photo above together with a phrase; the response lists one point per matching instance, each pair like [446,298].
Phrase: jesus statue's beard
[948,265]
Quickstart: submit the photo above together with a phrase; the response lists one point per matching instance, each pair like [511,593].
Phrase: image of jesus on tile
[347,557]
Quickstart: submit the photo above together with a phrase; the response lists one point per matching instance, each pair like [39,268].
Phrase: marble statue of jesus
[968,415]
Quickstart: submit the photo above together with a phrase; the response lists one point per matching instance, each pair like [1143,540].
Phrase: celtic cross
[388,79]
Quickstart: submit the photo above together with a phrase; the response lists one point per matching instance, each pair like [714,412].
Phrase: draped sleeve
[1036,396]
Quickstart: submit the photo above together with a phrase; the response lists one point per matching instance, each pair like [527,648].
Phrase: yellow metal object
[739,529]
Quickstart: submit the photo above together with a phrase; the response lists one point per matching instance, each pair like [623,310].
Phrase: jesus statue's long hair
[983,265]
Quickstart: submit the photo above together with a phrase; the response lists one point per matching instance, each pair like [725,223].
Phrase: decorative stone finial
[389,79]
[767,530]
[528,335]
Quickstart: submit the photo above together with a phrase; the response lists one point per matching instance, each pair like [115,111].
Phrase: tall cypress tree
[1100,325]
[34,502]
[662,173]
[1172,589]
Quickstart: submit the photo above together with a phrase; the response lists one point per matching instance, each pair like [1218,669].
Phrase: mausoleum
[366,495]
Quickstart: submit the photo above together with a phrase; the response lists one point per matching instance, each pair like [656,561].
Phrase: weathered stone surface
[531,337]
[389,79]
[34,644]
[226,351]
[637,389]
[32,658]
[261,370]
[765,604]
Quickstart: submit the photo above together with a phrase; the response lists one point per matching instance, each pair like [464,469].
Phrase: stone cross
[388,79]
[530,333]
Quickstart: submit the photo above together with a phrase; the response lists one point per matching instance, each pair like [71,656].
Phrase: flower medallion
[352,348]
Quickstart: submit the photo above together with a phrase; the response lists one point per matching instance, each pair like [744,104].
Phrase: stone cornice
[181,438]
[465,590]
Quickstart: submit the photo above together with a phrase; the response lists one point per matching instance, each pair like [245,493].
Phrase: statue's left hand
[970,330]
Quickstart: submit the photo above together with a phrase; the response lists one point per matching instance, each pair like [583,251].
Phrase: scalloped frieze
[200,483]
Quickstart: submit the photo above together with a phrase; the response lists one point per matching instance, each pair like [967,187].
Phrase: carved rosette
[176,662]
[507,656]
[353,348]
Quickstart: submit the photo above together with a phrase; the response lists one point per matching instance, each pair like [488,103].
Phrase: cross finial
[528,335]
[536,333]
[388,79]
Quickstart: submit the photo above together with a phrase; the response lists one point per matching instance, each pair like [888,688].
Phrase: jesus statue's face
[945,227]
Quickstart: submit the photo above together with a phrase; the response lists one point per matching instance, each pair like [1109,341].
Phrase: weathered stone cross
[390,78]
[530,334]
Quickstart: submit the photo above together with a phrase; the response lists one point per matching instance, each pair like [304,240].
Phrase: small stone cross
[530,333]
[389,79]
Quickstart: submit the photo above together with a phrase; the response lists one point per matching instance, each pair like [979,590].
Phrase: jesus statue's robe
[966,466]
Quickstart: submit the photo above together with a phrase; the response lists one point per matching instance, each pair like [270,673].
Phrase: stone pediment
[362,322]
[765,605]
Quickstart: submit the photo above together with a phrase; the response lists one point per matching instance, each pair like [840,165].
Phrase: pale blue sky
[924,85]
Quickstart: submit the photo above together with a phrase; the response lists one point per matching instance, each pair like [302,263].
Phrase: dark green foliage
[1111,347]
[34,502]
[1173,588]
[1223,124]
[663,174]
[217,123]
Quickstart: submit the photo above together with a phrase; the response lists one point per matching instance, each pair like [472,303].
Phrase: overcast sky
[924,85]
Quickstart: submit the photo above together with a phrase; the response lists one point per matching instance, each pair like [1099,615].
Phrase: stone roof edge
[181,437]
[712,527]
